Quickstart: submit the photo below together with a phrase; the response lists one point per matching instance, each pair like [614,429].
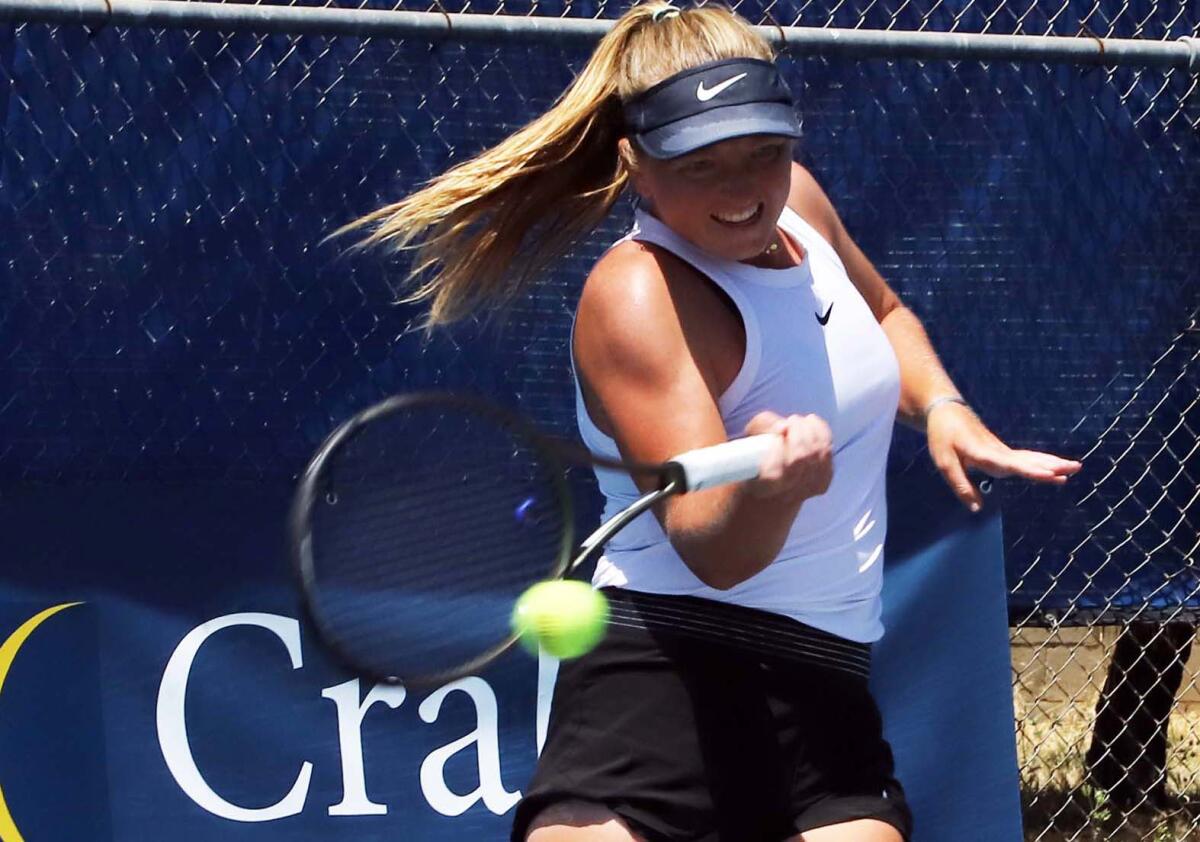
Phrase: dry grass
[1056,691]
[1084,816]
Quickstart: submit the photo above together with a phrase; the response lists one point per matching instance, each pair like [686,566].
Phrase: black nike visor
[704,105]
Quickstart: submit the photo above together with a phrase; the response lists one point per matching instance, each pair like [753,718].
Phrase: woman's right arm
[640,353]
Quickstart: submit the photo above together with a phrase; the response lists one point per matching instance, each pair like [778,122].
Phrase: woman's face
[724,198]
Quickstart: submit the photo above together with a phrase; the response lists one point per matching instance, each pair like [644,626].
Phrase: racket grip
[730,461]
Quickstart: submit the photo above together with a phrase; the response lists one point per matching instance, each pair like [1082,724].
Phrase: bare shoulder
[809,200]
[630,268]
[639,376]
[627,316]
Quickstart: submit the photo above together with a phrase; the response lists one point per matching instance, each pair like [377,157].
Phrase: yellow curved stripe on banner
[8,651]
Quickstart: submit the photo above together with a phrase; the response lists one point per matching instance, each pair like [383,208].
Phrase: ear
[637,174]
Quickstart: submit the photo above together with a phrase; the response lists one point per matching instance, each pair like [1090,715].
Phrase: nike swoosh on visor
[705,94]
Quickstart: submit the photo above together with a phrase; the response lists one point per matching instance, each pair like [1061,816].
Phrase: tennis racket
[420,521]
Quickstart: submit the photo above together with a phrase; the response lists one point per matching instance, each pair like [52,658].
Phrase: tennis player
[729,700]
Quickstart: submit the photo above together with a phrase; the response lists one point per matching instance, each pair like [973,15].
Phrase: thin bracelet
[936,402]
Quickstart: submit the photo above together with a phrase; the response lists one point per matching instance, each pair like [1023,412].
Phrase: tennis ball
[566,618]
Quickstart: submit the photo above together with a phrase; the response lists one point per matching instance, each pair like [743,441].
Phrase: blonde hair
[486,228]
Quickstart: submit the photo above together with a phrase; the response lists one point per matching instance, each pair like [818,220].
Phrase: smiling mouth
[740,219]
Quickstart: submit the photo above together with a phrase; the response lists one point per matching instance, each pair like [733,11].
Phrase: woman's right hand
[801,465]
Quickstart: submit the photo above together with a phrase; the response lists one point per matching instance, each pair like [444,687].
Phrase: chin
[743,248]
[742,243]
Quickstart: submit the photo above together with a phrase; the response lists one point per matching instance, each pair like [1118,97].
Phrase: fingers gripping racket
[420,521]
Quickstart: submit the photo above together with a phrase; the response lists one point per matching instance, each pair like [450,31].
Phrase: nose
[738,191]
[739,181]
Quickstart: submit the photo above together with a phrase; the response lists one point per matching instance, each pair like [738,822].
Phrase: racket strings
[411,536]
[412,550]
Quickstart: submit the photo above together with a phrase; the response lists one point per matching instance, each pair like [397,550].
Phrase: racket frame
[673,477]
[312,486]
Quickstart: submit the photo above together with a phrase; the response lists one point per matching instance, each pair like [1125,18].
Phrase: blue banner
[158,680]
[942,672]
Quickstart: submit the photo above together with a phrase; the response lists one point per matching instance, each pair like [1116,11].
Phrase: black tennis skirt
[695,720]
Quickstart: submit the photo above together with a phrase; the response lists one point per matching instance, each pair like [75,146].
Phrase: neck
[778,255]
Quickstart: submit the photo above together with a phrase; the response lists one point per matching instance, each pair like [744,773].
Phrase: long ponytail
[485,229]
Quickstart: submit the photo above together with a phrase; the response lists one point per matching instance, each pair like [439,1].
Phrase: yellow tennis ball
[566,618]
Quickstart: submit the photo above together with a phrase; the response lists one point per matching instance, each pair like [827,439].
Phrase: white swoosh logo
[705,94]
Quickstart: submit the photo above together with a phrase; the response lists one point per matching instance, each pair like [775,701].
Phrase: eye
[696,168]
[770,152]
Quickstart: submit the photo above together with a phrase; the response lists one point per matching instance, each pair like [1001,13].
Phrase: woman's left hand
[959,441]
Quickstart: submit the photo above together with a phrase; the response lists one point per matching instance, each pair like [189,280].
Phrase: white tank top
[829,572]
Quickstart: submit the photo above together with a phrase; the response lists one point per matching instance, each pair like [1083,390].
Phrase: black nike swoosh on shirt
[824,319]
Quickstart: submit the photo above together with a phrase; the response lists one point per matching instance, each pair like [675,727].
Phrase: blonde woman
[729,700]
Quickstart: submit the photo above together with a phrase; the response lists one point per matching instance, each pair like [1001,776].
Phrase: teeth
[737,217]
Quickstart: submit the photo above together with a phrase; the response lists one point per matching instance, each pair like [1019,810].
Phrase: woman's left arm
[958,438]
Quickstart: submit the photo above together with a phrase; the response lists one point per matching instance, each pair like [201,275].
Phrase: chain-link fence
[169,313]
